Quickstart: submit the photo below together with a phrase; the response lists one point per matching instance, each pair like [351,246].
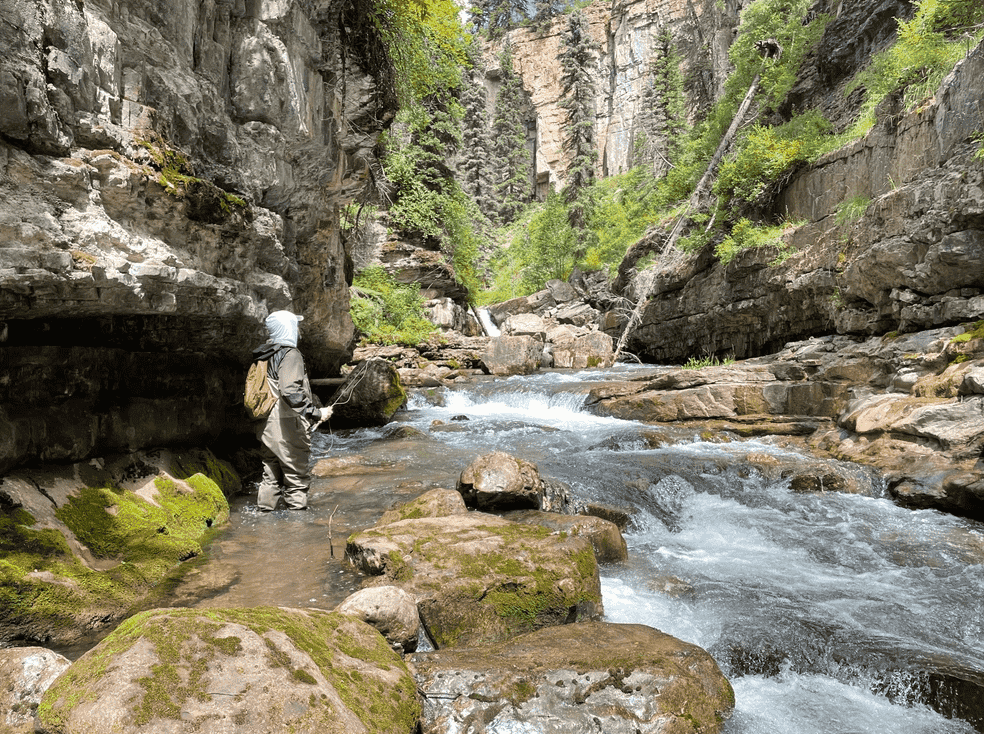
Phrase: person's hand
[324,414]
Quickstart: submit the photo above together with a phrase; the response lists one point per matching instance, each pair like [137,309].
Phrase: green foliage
[514,165]
[852,210]
[427,44]
[926,49]
[387,312]
[765,154]
[708,360]
[746,234]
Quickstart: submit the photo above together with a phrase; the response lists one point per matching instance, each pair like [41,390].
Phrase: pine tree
[664,115]
[577,61]
[474,169]
[547,10]
[497,17]
[513,179]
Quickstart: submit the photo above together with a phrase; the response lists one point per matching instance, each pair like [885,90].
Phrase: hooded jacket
[286,365]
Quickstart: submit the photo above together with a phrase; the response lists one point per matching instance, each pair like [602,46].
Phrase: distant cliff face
[169,174]
[627,33]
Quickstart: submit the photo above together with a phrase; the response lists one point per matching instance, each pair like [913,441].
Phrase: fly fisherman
[286,435]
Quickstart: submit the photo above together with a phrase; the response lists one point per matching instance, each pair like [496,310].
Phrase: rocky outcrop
[246,670]
[167,177]
[911,406]
[590,676]
[83,543]
[912,261]
[627,33]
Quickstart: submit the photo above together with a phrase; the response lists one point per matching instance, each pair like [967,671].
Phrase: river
[830,613]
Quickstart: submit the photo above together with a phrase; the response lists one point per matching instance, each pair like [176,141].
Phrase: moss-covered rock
[580,677]
[479,578]
[606,539]
[260,669]
[81,544]
[433,503]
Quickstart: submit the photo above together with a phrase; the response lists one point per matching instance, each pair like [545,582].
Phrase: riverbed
[831,613]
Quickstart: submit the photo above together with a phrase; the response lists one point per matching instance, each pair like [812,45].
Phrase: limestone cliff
[170,172]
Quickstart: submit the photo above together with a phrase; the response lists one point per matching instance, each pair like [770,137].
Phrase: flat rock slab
[234,671]
[605,536]
[591,676]
[478,578]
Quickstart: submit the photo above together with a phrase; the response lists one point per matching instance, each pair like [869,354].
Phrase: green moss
[185,641]
[975,331]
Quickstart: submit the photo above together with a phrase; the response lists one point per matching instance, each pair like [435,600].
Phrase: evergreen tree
[497,17]
[513,179]
[577,61]
[547,10]
[664,114]
[474,170]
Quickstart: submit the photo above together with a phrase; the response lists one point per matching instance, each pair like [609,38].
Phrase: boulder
[499,481]
[585,677]
[83,543]
[370,396]
[513,355]
[479,578]
[579,314]
[561,291]
[606,539]
[525,324]
[25,674]
[501,311]
[594,349]
[259,669]
[390,610]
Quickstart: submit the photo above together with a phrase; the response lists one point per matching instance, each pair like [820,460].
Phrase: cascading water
[831,613]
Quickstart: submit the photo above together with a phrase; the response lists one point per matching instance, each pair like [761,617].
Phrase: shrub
[746,234]
[387,312]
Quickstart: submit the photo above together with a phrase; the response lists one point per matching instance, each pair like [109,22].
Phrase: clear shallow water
[830,613]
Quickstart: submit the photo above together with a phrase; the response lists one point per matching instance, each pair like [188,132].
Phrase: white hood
[282,326]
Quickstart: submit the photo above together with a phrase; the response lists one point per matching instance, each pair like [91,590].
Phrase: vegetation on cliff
[741,213]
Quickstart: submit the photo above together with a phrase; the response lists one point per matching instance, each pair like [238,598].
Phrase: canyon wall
[170,172]
[913,260]
[626,32]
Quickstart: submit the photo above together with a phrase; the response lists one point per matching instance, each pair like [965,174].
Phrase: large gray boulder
[25,674]
[587,677]
[235,671]
[478,578]
[370,395]
[513,355]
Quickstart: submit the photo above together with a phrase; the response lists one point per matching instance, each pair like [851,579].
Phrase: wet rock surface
[617,678]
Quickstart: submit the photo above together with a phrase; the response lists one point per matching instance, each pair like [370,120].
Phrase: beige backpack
[259,397]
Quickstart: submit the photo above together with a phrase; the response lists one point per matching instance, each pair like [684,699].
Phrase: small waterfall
[487,323]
